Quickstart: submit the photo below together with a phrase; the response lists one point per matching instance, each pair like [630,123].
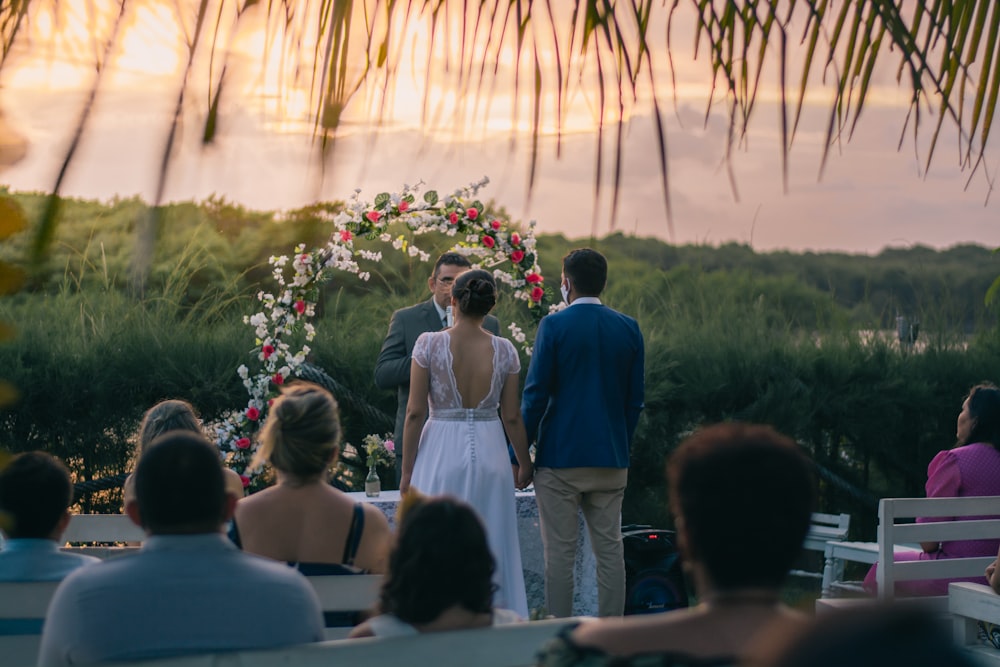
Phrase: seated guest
[188,590]
[970,468]
[742,498]
[35,494]
[174,415]
[302,519]
[440,574]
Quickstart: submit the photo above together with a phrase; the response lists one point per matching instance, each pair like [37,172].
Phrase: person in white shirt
[35,494]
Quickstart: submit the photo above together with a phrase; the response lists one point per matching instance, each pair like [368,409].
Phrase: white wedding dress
[463,453]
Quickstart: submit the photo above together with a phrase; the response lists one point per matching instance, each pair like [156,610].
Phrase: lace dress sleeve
[510,363]
[421,350]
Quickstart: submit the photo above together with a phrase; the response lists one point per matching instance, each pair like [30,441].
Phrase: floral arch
[283,327]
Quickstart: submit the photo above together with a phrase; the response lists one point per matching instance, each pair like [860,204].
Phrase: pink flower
[537,293]
[243,443]
[245,480]
[373,216]
[495,224]
[517,256]
[515,239]
[345,235]
[533,278]
[267,351]
[300,307]
[390,445]
[403,205]
[471,213]
[303,258]
[253,414]
[278,379]
[453,218]
[488,241]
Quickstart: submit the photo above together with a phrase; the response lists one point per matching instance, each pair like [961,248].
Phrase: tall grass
[731,343]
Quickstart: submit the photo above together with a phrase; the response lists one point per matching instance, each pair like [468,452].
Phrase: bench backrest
[824,528]
[963,522]
[502,646]
[102,528]
[355,592]
[23,606]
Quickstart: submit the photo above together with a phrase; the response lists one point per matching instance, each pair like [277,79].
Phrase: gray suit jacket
[392,369]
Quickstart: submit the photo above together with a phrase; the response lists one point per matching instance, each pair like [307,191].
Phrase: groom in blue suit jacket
[582,399]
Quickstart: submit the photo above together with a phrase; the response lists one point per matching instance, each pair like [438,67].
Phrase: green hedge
[725,340]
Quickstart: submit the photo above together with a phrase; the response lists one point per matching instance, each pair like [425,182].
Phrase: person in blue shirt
[35,494]
[188,589]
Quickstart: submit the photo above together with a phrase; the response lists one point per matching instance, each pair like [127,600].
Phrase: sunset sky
[870,196]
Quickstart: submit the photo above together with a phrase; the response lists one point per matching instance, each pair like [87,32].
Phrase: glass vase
[373,485]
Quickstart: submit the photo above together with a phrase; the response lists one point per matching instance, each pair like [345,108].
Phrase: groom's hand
[524,477]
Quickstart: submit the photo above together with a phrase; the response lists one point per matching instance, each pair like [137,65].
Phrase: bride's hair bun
[476,292]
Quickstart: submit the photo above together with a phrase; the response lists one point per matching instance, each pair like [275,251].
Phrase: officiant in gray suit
[392,369]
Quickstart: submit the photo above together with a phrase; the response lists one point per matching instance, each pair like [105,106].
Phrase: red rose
[300,307]
[270,402]
[495,224]
[453,218]
[278,378]
[403,205]
[253,414]
[537,293]
[488,241]
[245,480]
[471,213]
[243,443]
[533,278]
[515,239]
[267,351]
[517,256]
[373,216]
[345,235]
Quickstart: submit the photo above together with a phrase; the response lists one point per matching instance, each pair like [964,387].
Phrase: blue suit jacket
[585,388]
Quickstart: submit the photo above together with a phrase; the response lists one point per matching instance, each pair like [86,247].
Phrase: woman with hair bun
[302,519]
[461,376]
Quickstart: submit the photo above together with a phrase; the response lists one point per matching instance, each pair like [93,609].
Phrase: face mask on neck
[565,292]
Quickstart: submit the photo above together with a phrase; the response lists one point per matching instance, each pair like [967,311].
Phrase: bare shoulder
[624,636]
[375,518]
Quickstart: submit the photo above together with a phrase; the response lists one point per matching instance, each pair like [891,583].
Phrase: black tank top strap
[234,533]
[354,534]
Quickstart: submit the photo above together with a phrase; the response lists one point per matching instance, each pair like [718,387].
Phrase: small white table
[532,560]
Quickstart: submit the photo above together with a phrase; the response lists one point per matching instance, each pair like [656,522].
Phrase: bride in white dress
[463,374]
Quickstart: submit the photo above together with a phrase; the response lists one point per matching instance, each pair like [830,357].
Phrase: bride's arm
[510,411]
[416,414]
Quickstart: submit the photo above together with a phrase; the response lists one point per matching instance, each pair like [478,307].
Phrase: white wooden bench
[102,528]
[22,610]
[970,603]
[823,528]
[837,553]
[23,607]
[896,528]
[512,645]
[345,594]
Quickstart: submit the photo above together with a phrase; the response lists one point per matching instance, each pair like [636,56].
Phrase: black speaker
[654,580]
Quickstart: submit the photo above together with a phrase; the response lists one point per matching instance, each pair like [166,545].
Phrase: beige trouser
[598,492]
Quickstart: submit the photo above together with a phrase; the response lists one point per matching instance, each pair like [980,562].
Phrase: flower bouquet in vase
[380,451]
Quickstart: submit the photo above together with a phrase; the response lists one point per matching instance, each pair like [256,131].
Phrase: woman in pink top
[971,468]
